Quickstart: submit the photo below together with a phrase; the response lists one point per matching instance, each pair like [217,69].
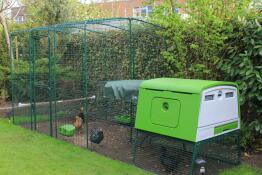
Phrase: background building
[18,14]
[112,8]
[126,8]
[130,8]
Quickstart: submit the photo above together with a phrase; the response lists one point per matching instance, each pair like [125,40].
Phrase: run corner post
[55,93]
[12,79]
[50,84]
[85,71]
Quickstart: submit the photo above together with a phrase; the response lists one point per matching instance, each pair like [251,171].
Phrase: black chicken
[170,162]
[96,135]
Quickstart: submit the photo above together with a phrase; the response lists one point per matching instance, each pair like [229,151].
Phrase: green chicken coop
[188,119]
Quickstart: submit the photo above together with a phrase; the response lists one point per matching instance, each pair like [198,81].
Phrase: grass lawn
[27,119]
[23,152]
[243,170]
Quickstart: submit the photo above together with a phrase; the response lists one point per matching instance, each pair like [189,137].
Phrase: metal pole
[132,73]
[33,84]
[12,80]
[31,60]
[131,51]
[195,150]
[54,54]
[85,60]
[50,85]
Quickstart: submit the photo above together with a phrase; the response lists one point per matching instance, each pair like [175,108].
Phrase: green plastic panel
[165,112]
[225,127]
[185,125]
[182,85]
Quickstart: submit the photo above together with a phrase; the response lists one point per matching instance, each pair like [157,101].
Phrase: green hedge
[219,40]
[110,57]
[242,62]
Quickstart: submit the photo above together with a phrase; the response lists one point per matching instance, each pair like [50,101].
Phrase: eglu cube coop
[79,82]
[187,122]
[192,110]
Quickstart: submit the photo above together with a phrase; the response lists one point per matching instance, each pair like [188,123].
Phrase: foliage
[241,62]
[104,50]
[4,66]
[250,134]
[247,135]
[195,41]
[21,81]
[218,40]
[3,50]
[48,12]
[42,13]
[82,11]
[242,169]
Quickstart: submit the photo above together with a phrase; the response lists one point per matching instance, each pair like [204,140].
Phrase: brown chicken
[78,123]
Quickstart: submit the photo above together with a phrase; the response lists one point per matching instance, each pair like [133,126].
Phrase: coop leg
[238,148]
[134,147]
[131,120]
[194,155]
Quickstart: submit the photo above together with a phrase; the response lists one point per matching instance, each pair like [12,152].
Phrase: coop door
[218,105]
[165,112]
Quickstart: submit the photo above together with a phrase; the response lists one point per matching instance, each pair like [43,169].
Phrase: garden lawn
[243,170]
[27,119]
[23,152]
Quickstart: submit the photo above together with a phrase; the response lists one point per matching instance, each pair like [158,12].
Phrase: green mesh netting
[91,70]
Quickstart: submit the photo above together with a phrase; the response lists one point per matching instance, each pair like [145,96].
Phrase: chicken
[78,123]
[96,135]
[81,114]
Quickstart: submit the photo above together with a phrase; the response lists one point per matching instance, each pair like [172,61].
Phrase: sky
[90,1]
[84,1]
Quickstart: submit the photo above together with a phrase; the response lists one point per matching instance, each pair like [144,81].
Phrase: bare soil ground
[254,159]
[5,108]
[116,143]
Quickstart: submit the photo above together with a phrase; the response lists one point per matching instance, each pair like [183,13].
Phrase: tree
[81,11]
[47,12]
[4,6]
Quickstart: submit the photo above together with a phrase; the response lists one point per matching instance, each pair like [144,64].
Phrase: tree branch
[4,24]
[19,10]
[171,6]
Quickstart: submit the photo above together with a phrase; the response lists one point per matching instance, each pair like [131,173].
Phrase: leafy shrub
[219,40]
[250,134]
[242,62]
[109,58]
[4,66]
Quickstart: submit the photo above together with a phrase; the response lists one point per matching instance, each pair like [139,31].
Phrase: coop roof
[122,89]
[182,85]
